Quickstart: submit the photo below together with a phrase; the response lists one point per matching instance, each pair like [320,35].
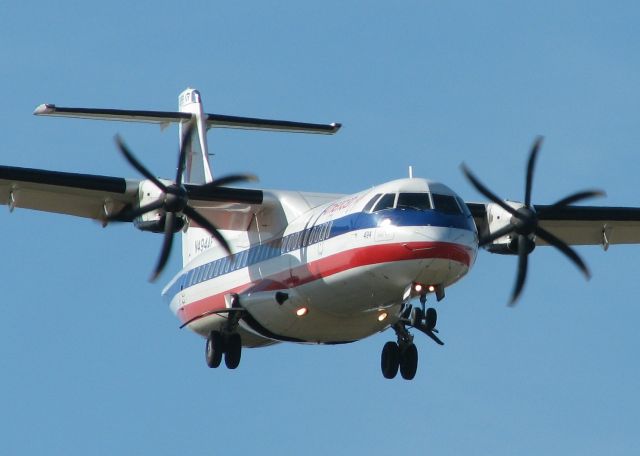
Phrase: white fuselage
[346,264]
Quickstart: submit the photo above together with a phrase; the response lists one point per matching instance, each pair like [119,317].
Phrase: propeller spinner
[524,223]
[175,199]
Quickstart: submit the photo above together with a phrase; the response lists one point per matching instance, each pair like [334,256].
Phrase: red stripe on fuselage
[333,264]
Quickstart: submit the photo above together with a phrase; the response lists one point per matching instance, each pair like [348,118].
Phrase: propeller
[524,223]
[174,201]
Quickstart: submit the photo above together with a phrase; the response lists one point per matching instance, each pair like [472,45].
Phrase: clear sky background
[93,362]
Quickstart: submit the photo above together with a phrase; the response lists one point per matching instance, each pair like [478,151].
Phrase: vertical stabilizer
[197,169]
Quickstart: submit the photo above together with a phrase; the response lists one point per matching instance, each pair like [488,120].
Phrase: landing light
[382,316]
[419,288]
[302,311]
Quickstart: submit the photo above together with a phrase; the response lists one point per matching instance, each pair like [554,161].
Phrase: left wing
[579,225]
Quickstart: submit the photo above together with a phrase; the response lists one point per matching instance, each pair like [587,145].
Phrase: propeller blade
[530,166]
[498,234]
[231,179]
[187,137]
[486,192]
[137,212]
[564,248]
[137,165]
[169,228]
[523,257]
[207,225]
[579,196]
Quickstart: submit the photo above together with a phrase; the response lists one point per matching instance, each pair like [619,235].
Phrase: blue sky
[93,361]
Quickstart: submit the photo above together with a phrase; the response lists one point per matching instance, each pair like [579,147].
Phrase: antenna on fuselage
[410,172]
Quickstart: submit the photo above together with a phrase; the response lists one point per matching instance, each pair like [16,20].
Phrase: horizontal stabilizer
[250,123]
[126,115]
[166,117]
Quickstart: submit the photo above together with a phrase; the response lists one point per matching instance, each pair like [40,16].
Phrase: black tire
[233,351]
[390,360]
[409,362]
[214,349]
[418,316]
[431,318]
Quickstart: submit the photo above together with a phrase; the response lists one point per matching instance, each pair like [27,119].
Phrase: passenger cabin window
[386,202]
[416,201]
[446,204]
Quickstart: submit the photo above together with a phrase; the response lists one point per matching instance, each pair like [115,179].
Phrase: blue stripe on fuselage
[401,217]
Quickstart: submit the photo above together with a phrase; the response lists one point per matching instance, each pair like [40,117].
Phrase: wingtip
[44,109]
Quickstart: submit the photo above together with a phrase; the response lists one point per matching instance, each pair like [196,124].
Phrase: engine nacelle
[153,221]
[498,218]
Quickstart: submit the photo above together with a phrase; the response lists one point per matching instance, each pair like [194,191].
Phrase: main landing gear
[219,344]
[226,341]
[403,354]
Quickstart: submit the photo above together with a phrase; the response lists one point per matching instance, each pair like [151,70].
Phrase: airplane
[261,267]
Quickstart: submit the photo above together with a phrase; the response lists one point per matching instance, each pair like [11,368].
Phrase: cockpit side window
[386,202]
[446,204]
[417,201]
[464,207]
[371,202]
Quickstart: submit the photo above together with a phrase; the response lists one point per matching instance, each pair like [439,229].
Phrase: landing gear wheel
[409,362]
[233,351]
[390,360]
[214,349]
[418,316]
[431,318]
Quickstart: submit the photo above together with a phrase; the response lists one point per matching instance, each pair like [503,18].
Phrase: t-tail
[198,168]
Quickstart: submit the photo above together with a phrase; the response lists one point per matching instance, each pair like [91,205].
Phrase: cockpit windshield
[417,201]
[446,204]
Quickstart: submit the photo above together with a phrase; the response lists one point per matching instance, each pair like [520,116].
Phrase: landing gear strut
[403,354]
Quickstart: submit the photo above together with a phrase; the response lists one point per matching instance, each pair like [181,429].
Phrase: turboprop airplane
[266,266]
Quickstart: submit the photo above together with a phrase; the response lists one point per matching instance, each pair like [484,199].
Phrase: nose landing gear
[403,354]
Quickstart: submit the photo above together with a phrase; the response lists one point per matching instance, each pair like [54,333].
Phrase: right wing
[579,225]
[98,197]
[82,195]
